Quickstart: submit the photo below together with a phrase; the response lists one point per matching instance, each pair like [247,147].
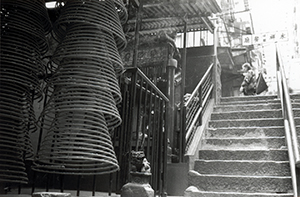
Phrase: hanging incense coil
[27,18]
[15,145]
[84,90]
[78,97]
[78,143]
[35,8]
[98,53]
[12,167]
[24,25]
[95,13]
[85,40]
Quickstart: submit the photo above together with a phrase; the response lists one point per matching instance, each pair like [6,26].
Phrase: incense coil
[15,18]
[94,73]
[95,13]
[20,63]
[85,40]
[78,148]
[36,8]
[17,117]
[84,90]
[80,97]
[24,25]
[18,99]
[12,167]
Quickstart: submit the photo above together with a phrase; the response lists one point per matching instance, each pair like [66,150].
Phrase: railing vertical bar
[62,184]
[200,104]
[162,145]
[78,185]
[47,182]
[33,181]
[165,155]
[158,133]
[139,115]
[182,135]
[94,185]
[19,188]
[150,125]
[110,184]
[144,117]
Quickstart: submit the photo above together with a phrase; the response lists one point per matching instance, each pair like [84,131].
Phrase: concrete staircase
[244,152]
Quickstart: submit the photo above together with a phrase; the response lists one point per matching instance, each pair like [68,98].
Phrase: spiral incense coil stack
[81,110]
[24,25]
[101,14]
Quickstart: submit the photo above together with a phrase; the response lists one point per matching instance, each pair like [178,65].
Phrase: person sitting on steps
[248,86]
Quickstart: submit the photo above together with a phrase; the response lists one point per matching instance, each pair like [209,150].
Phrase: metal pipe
[183,73]
[289,110]
[172,64]
[289,124]
[291,156]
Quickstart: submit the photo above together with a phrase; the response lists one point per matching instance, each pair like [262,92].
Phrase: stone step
[266,122]
[246,106]
[253,107]
[295,98]
[247,114]
[194,192]
[246,132]
[221,154]
[248,98]
[296,112]
[242,143]
[233,183]
[243,167]
[251,102]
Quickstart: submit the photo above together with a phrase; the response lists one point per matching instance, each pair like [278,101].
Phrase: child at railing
[248,85]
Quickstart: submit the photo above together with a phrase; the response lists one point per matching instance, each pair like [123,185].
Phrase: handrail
[196,104]
[199,84]
[162,95]
[188,133]
[289,123]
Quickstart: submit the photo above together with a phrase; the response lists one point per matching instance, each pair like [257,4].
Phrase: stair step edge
[194,190]
[195,173]
[243,161]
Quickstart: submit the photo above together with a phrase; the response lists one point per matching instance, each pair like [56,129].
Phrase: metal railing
[196,104]
[289,124]
[143,128]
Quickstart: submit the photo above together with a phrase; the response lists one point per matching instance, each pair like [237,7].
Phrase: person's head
[246,66]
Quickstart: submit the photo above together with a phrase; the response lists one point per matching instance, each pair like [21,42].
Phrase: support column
[172,65]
